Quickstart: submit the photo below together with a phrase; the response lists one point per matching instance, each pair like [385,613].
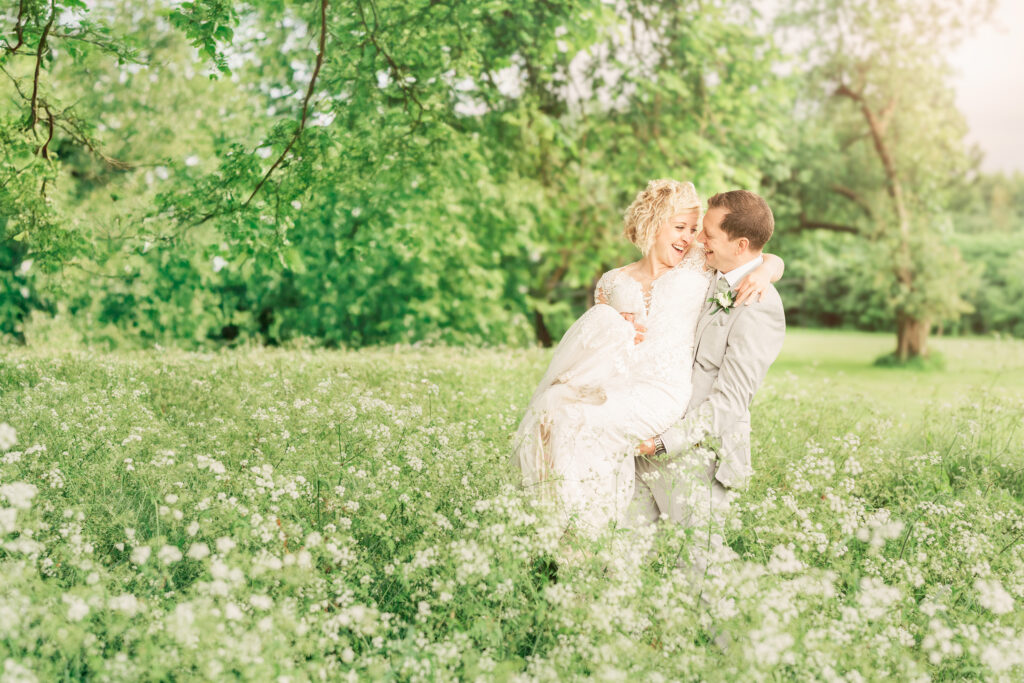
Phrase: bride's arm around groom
[733,349]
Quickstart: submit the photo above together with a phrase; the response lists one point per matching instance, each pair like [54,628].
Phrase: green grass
[975,368]
[313,514]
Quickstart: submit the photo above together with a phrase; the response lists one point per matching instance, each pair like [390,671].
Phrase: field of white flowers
[311,515]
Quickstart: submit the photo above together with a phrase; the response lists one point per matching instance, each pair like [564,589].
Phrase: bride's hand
[754,284]
[640,329]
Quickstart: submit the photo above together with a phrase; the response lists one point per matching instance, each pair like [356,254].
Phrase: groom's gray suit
[732,353]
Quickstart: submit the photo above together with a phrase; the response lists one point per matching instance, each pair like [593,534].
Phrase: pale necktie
[717,287]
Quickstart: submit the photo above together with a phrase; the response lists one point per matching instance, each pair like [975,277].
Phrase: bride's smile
[674,238]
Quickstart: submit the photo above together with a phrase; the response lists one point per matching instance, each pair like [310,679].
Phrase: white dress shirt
[736,275]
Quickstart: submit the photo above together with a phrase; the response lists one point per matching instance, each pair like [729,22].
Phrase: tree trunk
[543,335]
[911,337]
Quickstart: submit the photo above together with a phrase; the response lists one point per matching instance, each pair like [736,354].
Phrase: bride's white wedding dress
[602,393]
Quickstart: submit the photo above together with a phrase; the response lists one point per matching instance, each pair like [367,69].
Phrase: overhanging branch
[39,63]
[305,101]
[806,224]
[19,28]
[855,198]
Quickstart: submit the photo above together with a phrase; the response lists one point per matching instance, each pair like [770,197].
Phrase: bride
[603,391]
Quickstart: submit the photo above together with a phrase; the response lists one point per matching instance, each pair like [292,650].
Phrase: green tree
[365,171]
[882,145]
[66,140]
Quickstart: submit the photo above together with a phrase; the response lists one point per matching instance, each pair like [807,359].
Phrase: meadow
[297,514]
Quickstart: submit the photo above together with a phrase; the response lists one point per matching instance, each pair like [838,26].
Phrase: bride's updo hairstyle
[655,204]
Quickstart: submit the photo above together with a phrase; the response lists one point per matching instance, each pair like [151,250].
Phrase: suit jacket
[732,353]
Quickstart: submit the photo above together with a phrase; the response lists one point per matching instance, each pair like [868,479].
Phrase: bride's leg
[591,351]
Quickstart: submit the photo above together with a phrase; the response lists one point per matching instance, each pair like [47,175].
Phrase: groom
[733,348]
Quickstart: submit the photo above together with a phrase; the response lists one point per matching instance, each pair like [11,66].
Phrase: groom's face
[721,252]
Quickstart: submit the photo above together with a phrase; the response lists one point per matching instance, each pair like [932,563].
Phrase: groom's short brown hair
[749,216]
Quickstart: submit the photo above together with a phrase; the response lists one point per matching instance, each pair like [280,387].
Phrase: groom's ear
[742,244]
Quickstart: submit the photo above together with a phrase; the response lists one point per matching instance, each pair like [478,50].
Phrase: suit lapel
[707,313]
[705,320]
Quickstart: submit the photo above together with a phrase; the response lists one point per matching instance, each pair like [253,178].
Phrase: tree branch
[39,62]
[877,129]
[855,198]
[806,224]
[19,28]
[396,71]
[65,120]
[305,101]
[85,36]
[43,150]
[851,141]
[845,91]
[885,116]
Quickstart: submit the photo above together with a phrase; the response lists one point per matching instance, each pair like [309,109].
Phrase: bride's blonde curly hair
[654,205]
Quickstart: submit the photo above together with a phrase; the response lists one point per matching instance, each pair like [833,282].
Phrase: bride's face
[675,235]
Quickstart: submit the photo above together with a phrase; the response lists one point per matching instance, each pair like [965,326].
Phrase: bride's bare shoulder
[630,268]
[627,269]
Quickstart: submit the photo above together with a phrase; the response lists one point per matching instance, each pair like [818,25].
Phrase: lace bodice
[626,295]
[669,311]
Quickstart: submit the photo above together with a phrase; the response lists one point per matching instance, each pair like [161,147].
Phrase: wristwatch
[659,446]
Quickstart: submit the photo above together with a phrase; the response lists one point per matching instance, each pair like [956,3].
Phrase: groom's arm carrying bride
[733,349]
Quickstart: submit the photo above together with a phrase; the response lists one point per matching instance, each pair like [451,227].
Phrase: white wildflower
[876,597]
[77,609]
[169,554]
[18,494]
[261,601]
[784,560]
[180,623]
[233,611]
[198,551]
[126,603]
[993,597]
[1004,654]
[16,673]
[769,646]
[8,520]
[140,554]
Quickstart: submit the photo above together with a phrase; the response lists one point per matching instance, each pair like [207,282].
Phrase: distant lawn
[976,368]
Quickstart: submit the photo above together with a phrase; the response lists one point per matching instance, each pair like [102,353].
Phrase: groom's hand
[646,447]
[640,329]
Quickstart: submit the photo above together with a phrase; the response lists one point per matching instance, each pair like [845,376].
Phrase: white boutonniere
[724,301]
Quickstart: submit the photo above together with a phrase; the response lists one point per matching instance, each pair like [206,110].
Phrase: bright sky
[989,85]
[990,88]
